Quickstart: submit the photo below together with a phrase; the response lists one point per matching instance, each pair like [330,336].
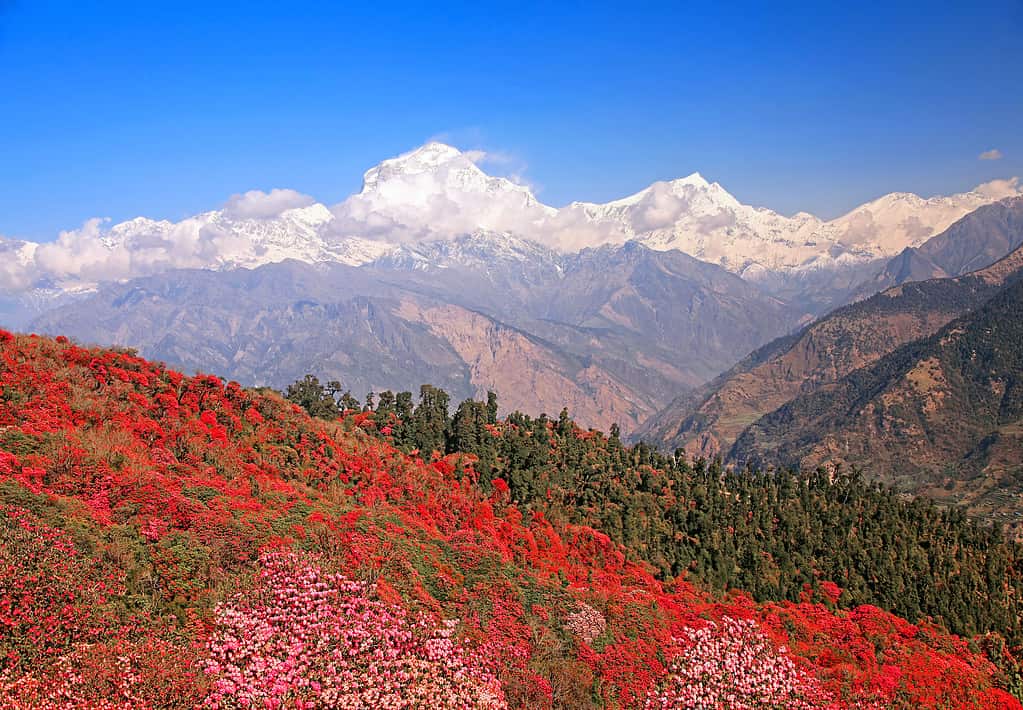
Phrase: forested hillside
[775,535]
[174,541]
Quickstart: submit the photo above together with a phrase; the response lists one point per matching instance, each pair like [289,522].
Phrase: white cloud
[15,273]
[256,204]
[95,252]
[494,158]
[993,154]
[1000,189]
[860,227]
[80,253]
[659,208]
[508,165]
[572,229]
[915,230]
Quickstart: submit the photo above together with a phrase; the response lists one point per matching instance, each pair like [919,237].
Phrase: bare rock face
[533,376]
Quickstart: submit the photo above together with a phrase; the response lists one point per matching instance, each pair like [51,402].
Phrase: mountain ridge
[939,415]
[439,192]
[602,335]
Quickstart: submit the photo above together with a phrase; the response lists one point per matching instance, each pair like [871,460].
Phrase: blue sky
[165,109]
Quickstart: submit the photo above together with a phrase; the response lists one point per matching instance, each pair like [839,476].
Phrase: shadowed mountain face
[942,416]
[610,333]
[708,420]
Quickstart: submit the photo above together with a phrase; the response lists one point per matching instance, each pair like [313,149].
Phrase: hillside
[708,421]
[787,532]
[174,541]
[940,416]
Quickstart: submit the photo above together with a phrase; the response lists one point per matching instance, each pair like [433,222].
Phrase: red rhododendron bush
[171,541]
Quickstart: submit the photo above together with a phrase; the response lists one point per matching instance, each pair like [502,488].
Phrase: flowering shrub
[50,597]
[120,674]
[732,666]
[307,639]
[586,622]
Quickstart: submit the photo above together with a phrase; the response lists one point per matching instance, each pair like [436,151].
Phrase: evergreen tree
[430,420]
[318,400]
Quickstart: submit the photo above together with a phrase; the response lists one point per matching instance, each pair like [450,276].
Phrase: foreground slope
[941,416]
[180,542]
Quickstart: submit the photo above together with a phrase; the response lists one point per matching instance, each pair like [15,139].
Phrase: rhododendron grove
[178,542]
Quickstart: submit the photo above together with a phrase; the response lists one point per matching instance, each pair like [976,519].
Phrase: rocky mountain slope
[940,416]
[708,420]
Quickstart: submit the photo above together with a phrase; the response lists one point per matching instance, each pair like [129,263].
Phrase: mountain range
[438,272]
[437,192]
[607,332]
[917,386]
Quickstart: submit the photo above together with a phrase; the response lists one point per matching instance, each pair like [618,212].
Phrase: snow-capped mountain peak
[437,203]
[694,179]
[436,191]
[425,157]
[898,220]
[315,213]
[431,169]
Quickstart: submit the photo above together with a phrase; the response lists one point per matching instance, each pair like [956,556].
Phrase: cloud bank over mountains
[437,192]
[256,204]
[1000,189]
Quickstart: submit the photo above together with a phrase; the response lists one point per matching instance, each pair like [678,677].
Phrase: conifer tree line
[774,534]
